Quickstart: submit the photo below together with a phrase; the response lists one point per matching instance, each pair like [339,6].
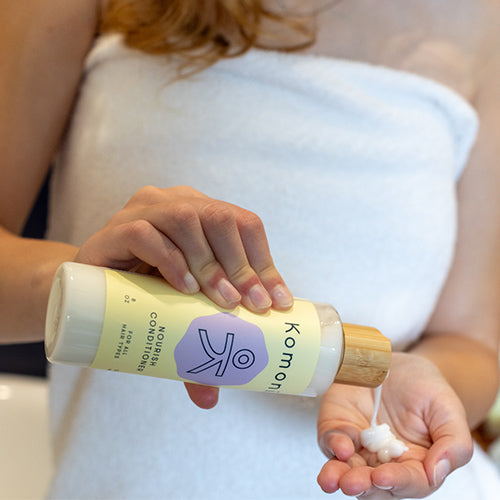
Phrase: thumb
[452,448]
[203,396]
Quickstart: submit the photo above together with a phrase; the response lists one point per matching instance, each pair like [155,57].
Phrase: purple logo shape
[221,349]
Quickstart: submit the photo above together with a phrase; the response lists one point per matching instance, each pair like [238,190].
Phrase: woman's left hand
[422,410]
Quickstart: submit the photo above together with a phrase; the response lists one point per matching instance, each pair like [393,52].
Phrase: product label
[152,329]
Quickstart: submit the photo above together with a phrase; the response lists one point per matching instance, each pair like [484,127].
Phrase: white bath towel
[352,168]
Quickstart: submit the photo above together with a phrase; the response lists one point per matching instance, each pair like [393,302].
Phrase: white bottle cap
[75,314]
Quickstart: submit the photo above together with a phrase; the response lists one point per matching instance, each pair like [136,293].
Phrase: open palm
[422,410]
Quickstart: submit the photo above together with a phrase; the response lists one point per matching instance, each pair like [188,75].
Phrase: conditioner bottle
[128,322]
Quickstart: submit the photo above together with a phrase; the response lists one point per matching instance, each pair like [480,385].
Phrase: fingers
[219,223]
[127,245]
[405,479]
[238,240]
[340,447]
[349,469]
[331,474]
[223,247]
[393,480]
[251,230]
[418,472]
[182,222]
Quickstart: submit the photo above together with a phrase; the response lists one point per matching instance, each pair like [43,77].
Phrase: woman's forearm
[27,268]
[470,367]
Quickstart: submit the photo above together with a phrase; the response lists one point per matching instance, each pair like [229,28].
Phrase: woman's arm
[43,44]
[463,335]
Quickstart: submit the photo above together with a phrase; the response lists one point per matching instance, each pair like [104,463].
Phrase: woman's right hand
[196,243]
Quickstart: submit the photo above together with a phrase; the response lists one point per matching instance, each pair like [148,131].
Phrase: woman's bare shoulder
[51,16]
[487,60]
[462,39]
[447,41]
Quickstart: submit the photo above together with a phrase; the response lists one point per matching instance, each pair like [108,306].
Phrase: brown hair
[204,31]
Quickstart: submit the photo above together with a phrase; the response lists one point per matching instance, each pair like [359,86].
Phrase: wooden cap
[367,357]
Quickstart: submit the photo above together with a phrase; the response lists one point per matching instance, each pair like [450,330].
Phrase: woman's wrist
[469,366]
[29,266]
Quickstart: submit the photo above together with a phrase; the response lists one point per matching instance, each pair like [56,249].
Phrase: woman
[351,159]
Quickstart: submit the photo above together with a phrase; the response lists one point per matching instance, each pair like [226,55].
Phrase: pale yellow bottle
[127,322]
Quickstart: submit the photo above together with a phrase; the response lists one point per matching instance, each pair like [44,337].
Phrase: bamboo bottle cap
[367,357]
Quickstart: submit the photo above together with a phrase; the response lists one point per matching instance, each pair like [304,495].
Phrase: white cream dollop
[380,440]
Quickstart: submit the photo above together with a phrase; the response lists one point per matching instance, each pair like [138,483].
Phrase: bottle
[135,323]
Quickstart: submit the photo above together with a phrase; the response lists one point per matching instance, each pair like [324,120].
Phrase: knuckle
[137,230]
[182,214]
[173,254]
[243,275]
[217,213]
[209,269]
[146,195]
[250,221]
[268,271]
[187,191]
[118,218]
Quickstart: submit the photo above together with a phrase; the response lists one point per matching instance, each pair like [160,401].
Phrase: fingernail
[259,297]
[282,296]
[228,292]
[386,488]
[441,470]
[191,284]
